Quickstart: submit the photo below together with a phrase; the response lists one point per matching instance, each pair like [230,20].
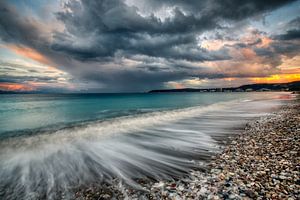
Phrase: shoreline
[258,163]
[262,162]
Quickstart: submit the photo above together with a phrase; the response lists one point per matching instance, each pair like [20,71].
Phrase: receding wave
[155,145]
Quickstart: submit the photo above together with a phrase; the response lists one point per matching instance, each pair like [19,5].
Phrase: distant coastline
[263,87]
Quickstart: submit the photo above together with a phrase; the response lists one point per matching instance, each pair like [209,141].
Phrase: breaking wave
[157,145]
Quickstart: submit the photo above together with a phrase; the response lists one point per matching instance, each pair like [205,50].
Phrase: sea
[53,143]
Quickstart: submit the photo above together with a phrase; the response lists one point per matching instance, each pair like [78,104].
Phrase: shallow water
[52,143]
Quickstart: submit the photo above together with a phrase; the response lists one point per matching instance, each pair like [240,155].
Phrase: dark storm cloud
[111,26]
[108,26]
[15,29]
[133,80]
[293,31]
[24,79]
[286,48]
[289,35]
[107,45]
[226,9]
[114,16]
[99,32]
[287,43]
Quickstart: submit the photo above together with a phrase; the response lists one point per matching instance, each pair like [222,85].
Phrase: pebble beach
[262,162]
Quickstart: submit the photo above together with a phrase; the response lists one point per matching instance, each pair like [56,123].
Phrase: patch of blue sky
[276,20]
[38,8]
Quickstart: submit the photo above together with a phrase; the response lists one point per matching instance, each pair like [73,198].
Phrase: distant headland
[262,87]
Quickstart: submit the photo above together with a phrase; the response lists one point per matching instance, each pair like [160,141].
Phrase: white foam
[157,144]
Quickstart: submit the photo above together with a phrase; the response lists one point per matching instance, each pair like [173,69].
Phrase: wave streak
[156,145]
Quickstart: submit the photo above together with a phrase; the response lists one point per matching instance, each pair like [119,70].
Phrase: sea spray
[158,145]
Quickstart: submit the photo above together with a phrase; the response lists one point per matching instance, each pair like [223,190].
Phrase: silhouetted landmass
[8,92]
[292,86]
[20,92]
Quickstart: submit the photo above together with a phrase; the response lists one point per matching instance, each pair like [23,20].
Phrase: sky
[140,45]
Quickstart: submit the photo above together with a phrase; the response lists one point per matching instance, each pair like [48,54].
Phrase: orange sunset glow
[16,87]
[278,78]
[29,53]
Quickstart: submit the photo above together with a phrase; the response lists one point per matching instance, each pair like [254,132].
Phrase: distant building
[239,90]
[249,90]
[264,90]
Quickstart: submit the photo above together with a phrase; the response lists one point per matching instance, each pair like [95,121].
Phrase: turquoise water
[50,144]
[35,111]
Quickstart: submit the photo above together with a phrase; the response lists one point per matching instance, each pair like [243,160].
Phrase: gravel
[263,162]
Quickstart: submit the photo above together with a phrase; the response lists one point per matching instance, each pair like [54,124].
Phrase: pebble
[263,162]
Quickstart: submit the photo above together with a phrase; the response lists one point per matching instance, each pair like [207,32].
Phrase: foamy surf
[157,145]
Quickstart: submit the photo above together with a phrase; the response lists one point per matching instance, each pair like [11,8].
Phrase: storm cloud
[137,45]
[103,28]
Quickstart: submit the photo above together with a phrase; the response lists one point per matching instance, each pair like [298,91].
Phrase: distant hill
[292,86]
[8,92]
[19,92]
